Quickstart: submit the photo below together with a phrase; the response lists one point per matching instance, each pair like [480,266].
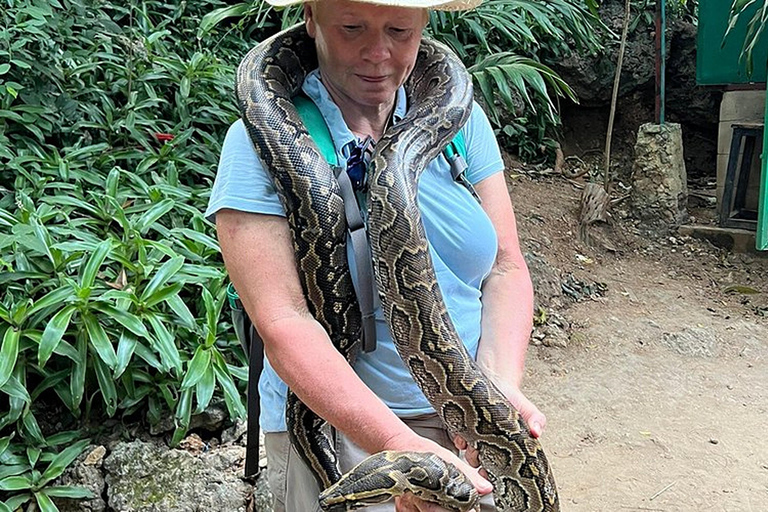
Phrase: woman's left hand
[533,417]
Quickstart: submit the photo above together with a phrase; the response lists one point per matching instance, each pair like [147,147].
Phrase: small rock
[194,444]
[713,441]
[95,457]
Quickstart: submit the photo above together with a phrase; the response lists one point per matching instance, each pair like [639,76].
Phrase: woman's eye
[351,28]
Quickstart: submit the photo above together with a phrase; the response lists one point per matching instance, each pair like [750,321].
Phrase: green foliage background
[112,290]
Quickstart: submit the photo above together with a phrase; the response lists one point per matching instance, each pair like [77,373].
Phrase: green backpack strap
[317,128]
[456,154]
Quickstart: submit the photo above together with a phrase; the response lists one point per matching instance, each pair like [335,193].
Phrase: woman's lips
[373,79]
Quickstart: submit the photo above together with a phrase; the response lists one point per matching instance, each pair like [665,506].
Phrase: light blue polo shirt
[461,237]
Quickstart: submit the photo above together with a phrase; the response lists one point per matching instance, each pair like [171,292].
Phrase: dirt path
[659,401]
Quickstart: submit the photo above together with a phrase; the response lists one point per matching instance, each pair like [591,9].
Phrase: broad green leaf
[127,320]
[99,340]
[125,349]
[53,333]
[182,311]
[163,274]
[56,297]
[214,17]
[165,345]
[163,294]
[204,389]
[62,461]
[196,367]
[182,416]
[45,503]
[231,394]
[149,217]
[50,381]
[71,492]
[88,272]
[149,357]
[33,454]
[4,507]
[106,385]
[15,389]
[8,468]
[16,501]
[16,483]
[5,442]
[67,437]
[8,354]
[31,428]
[77,382]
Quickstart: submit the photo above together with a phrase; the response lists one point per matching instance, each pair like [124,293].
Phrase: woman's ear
[309,18]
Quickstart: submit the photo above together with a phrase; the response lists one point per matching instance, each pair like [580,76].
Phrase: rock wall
[694,108]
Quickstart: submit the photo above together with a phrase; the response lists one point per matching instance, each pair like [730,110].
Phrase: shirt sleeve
[242,182]
[483,153]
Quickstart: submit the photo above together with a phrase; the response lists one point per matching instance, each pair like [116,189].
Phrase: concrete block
[742,106]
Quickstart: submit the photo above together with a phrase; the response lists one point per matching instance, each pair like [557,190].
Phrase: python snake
[440,93]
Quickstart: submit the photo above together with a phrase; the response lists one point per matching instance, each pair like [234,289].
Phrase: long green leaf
[152,215]
[99,340]
[127,320]
[94,262]
[163,294]
[5,442]
[53,333]
[125,349]
[72,492]
[31,427]
[106,385]
[182,311]
[15,389]
[231,394]
[62,461]
[204,389]
[45,503]
[55,297]
[215,17]
[197,367]
[163,274]
[9,352]
[16,483]
[77,382]
[165,345]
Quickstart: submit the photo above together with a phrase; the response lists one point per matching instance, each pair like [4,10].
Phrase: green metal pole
[761,237]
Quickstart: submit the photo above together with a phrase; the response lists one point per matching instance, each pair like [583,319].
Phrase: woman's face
[365,51]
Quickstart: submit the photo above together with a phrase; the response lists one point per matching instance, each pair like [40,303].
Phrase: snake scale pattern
[440,92]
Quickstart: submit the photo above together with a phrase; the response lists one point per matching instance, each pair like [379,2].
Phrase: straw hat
[436,5]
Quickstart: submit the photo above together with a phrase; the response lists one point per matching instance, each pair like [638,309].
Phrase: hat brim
[436,5]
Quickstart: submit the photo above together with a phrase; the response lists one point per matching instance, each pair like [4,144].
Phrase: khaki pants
[294,488]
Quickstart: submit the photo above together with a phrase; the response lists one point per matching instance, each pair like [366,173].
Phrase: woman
[365,53]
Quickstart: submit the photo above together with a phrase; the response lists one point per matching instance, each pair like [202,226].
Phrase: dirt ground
[653,372]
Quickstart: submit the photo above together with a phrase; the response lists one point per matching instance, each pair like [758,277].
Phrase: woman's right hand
[416,443]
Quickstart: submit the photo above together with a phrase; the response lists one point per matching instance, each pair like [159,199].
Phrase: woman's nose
[376,48]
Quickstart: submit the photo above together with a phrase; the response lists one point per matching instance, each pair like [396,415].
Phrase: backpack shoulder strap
[456,154]
[316,127]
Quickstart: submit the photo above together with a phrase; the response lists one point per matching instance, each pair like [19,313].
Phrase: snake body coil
[440,93]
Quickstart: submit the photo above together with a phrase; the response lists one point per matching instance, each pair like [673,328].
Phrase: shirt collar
[341,134]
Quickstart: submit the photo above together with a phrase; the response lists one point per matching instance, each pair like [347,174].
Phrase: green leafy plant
[112,287]
[505,45]
[27,473]
[755,26]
